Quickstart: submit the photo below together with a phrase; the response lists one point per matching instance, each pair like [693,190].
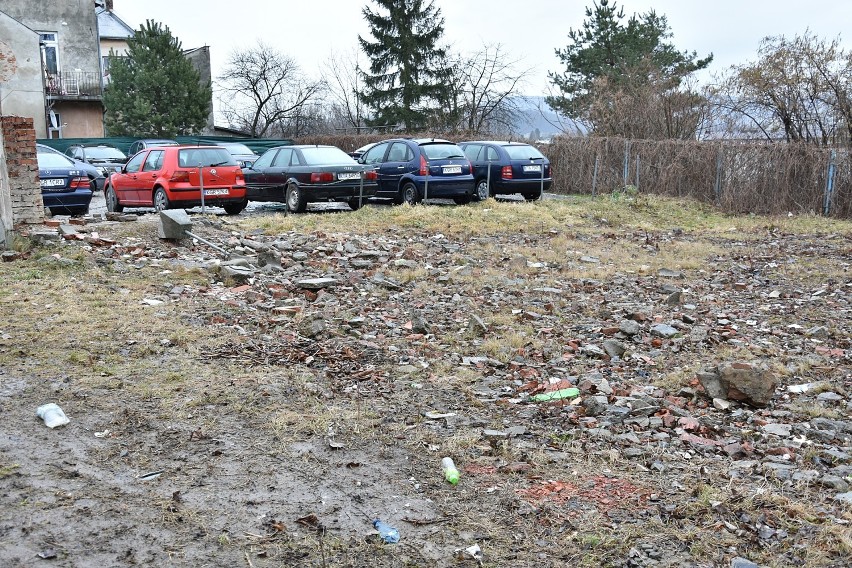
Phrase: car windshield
[236,148]
[442,151]
[205,157]
[325,156]
[48,159]
[522,152]
[104,153]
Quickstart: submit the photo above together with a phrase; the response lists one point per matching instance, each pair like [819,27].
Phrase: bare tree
[264,89]
[485,86]
[343,72]
[797,91]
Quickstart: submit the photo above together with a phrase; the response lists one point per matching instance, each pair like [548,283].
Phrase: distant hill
[536,115]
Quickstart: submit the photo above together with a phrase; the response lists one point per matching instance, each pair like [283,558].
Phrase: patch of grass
[7,470]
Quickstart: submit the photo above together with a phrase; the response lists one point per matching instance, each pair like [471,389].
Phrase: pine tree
[155,91]
[408,75]
[607,50]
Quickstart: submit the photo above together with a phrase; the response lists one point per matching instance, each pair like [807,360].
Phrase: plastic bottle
[451,474]
[52,415]
[386,532]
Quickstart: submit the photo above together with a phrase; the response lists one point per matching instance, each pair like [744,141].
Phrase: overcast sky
[529,30]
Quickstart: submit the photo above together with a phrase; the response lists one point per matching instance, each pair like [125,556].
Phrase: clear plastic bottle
[52,415]
[451,474]
[386,532]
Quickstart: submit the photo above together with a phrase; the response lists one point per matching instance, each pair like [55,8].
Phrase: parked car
[298,175]
[107,159]
[140,145]
[515,168]
[65,188]
[96,178]
[168,177]
[243,154]
[410,170]
[356,154]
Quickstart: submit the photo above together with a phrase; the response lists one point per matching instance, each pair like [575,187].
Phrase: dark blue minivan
[515,168]
[410,170]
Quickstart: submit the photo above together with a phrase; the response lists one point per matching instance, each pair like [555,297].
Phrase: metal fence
[737,177]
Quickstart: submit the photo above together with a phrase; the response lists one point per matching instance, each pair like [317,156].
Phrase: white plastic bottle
[52,415]
[451,474]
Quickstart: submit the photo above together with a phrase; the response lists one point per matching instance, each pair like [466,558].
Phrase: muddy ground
[248,418]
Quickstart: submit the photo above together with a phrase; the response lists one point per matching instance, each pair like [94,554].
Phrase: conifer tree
[154,91]
[407,79]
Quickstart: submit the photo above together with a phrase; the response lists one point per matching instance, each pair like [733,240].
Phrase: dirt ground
[222,418]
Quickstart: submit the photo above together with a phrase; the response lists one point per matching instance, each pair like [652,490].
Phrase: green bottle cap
[452,475]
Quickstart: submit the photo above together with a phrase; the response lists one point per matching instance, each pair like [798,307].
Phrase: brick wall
[18,138]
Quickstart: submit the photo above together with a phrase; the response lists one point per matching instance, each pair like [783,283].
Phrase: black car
[96,178]
[514,167]
[65,188]
[411,170]
[298,175]
[144,143]
[107,159]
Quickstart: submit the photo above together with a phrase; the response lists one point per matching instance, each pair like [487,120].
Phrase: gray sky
[529,30]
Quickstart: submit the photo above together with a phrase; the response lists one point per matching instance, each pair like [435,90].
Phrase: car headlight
[104,171]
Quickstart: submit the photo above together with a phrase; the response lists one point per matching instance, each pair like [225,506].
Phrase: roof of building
[111,26]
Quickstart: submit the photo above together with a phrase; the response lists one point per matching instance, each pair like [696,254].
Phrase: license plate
[349,175]
[53,183]
[223,191]
[452,169]
[532,168]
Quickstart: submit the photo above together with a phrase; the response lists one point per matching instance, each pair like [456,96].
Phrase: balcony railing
[73,84]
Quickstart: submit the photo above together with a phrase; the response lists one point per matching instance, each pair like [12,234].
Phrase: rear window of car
[204,157]
[325,156]
[522,152]
[51,160]
[442,151]
[104,153]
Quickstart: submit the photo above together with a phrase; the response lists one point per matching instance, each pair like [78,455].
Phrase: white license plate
[223,191]
[452,169]
[53,183]
[349,175]
[532,168]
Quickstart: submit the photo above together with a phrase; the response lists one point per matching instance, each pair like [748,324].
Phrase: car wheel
[355,203]
[483,192]
[296,199]
[408,194]
[235,208]
[112,203]
[535,196]
[161,200]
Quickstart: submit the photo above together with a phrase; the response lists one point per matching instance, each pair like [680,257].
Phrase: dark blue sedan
[514,167]
[411,170]
[65,188]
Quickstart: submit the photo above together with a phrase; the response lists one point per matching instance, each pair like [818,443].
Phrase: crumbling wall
[19,183]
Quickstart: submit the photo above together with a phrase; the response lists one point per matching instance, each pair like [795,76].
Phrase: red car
[168,177]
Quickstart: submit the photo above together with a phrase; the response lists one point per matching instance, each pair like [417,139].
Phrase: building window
[50,52]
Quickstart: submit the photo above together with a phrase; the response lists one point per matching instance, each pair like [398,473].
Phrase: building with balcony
[68,53]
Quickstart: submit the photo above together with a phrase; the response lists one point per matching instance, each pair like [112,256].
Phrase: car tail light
[424,166]
[180,176]
[506,172]
[80,183]
[471,166]
[371,175]
[322,177]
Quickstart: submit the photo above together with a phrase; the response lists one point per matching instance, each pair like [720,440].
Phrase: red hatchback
[170,177]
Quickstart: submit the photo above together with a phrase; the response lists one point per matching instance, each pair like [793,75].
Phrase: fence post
[626,162]
[637,172]
[829,183]
[717,186]
[595,175]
